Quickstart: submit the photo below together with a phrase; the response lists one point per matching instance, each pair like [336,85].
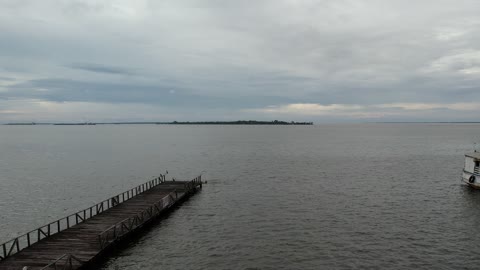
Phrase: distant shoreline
[240,122]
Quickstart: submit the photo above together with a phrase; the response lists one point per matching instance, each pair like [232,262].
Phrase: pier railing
[190,185]
[128,225]
[65,262]
[26,240]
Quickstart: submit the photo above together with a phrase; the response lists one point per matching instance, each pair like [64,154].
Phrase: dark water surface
[278,197]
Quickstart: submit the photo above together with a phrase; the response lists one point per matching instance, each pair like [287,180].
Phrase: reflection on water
[311,197]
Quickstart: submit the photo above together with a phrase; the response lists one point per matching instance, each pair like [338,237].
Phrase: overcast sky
[321,61]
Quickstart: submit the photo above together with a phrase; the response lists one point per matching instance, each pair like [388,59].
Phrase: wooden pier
[80,239]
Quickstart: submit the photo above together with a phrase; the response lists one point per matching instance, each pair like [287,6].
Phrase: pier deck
[79,239]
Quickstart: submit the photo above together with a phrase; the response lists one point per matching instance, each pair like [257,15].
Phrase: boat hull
[474,185]
[466,176]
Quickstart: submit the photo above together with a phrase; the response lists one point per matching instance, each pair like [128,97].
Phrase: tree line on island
[242,122]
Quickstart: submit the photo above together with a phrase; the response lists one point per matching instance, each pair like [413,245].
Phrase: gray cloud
[100,68]
[6,79]
[242,58]
[62,90]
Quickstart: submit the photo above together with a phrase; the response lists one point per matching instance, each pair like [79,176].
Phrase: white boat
[471,171]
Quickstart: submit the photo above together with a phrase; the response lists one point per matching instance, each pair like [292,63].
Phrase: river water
[278,197]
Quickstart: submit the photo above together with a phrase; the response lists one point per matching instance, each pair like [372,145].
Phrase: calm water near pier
[278,197]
